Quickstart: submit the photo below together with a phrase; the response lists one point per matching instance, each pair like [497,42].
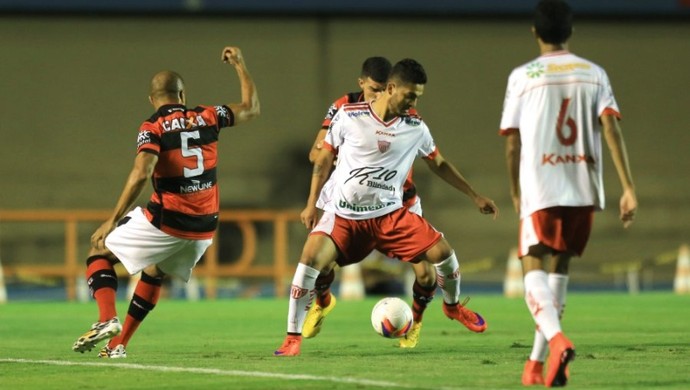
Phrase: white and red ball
[391,317]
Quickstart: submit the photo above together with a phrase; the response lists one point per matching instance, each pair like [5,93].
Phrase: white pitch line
[214,371]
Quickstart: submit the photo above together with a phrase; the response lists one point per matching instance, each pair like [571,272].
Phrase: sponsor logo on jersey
[555,159]
[332,110]
[376,173]
[183,123]
[535,70]
[386,133]
[222,112]
[559,68]
[195,186]
[360,208]
[374,184]
[143,138]
[357,114]
[412,120]
[383,146]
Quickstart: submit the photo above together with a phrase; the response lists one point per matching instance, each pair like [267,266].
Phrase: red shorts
[400,234]
[563,229]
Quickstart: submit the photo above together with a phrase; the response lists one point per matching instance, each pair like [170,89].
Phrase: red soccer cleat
[472,321]
[562,353]
[290,346]
[533,373]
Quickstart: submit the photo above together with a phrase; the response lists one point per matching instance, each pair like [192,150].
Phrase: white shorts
[138,244]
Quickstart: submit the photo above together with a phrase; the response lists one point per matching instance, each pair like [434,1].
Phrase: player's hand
[232,55]
[98,237]
[309,216]
[628,208]
[486,206]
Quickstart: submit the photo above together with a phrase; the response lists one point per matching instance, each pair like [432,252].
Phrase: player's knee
[424,274]
[439,252]
[153,271]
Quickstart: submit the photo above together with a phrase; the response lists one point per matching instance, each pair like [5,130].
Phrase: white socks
[301,294]
[558,283]
[448,278]
[541,303]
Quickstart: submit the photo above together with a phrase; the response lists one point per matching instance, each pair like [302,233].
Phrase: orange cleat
[472,321]
[533,373]
[290,347]
[562,353]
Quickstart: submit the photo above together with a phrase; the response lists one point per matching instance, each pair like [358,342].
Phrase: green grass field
[622,342]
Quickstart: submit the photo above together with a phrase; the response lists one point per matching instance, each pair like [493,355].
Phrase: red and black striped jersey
[352,97]
[185,198]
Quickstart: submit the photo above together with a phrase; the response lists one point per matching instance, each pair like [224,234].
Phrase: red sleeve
[149,139]
[333,109]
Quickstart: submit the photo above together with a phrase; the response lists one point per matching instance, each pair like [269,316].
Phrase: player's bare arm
[320,173]
[513,147]
[144,164]
[446,171]
[318,144]
[619,154]
[250,107]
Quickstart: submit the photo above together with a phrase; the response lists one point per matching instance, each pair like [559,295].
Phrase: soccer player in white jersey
[555,110]
[372,82]
[376,144]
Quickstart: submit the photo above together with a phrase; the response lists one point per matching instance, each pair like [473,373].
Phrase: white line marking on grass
[214,371]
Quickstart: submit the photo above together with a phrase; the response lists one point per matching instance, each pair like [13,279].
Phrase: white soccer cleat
[99,331]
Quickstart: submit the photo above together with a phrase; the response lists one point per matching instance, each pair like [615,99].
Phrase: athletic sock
[558,283]
[421,297]
[301,294]
[102,281]
[323,288]
[540,302]
[448,278]
[144,300]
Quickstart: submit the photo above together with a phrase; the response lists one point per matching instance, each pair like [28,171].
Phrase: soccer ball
[391,318]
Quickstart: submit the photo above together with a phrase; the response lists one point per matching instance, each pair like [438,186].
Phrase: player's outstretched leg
[300,298]
[449,277]
[472,321]
[102,281]
[323,303]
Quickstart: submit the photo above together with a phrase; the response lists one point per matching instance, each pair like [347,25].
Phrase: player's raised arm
[250,107]
[446,171]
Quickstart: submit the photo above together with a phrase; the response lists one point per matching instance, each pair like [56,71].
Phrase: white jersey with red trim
[374,158]
[555,102]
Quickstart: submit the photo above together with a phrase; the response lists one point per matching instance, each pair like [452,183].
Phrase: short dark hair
[376,68]
[408,71]
[553,21]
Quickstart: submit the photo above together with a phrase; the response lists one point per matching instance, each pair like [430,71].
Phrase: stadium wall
[74,93]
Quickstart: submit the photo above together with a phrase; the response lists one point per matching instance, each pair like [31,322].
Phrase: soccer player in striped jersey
[376,144]
[177,151]
[372,82]
[555,110]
